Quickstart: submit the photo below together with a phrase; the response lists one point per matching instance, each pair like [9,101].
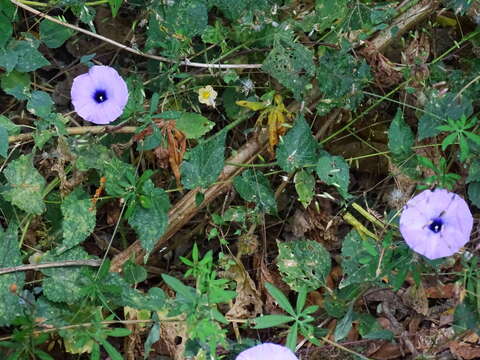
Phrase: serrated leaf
[303,263]
[64,284]
[297,148]
[25,185]
[333,170]
[304,185]
[254,187]
[40,104]
[400,138]
[78,219]
[440,108]
[10,304]
[194,125]
[150,223]
[16,84]
[53,34]
[204,163]
[354,270]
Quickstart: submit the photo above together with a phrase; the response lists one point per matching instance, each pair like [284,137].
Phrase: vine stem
[79,130]
[184,62]
[90,262]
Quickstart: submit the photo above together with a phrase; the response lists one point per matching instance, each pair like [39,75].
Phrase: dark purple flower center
[100,96]
[436,225]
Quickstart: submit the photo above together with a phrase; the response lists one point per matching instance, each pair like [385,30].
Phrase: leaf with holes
[302,263]
[333,170]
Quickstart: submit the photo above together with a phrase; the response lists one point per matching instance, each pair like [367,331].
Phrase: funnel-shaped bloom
[267,351]
[100,95]
[436,223]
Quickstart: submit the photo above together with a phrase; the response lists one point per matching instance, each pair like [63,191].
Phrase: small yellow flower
[207,96]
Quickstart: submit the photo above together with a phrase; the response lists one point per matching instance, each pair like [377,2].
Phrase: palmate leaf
[10,304]
[150,222]
[25,185]
[204,163]
[440,108]
[297,148]
[78,219]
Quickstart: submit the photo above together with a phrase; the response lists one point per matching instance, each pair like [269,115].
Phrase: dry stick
[90,262]
[79,130]
[185,62]
[186,208]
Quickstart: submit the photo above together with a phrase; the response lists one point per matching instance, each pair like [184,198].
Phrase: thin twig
[79,130]
[89,262]
[185,62]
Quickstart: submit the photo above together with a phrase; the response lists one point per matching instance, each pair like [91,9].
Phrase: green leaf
[280,297]
[341,80]
[150,223]
[115,6]
[400,138]
[440,108]
[465,317]
[10,306]
[298,148]
[186,291]
[78,219]
[327,12]
[7,124]
[291,342]
[304,184]
[333,170]
[204,163]
[120,177]
[153,337]
[7,16]
[194,125]
[268,321]
[111,351]
[292,65]
[344,325]
[23,56]
[3,142]
[25,186]
[53,34]
[353,250]
[254,187]
[16,84]
[474,171]
[303,263]
[40,104]
[136,97]
[474,193]
[134,273]
[64,284]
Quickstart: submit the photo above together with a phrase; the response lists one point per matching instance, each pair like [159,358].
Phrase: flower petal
[267,351]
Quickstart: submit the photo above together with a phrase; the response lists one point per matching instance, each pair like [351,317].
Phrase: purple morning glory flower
[267,351]
[100,95]
[436,223]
